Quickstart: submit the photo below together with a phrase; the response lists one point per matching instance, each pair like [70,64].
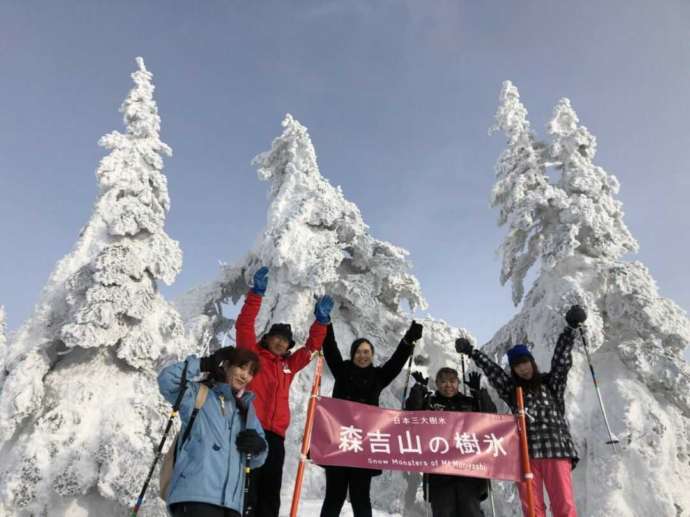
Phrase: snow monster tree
[81,412]
[574,229]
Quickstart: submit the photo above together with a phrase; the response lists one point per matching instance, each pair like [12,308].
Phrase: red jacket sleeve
[245,331]
[301,357]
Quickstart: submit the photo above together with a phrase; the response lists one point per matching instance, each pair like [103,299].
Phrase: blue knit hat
[518,353]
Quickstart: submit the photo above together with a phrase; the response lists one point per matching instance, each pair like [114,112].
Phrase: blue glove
[323,308]
[260,281]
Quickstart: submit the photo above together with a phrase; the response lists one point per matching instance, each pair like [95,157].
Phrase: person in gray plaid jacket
[551,448]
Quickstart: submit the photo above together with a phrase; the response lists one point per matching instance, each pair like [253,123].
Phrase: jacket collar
[222,388]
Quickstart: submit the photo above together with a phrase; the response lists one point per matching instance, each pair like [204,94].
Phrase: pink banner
[350,434]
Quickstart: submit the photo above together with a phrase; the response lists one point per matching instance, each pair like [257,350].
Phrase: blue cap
[518,353]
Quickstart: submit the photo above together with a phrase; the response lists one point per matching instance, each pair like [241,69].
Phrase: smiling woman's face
[524,370]
[364,355]
[238,377]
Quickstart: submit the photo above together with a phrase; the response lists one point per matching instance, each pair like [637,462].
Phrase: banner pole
[524,452]
[306,438]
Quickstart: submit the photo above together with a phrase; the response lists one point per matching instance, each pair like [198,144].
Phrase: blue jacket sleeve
[169,383]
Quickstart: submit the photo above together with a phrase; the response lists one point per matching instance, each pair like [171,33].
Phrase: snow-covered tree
[637,339]
[315,242]
[80,407]
[528,204]
[593,215]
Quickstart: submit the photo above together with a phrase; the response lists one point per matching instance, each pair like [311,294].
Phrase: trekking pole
[612,439]
[480,406]
[427,495]
[491,499]
[306,438]
[247,505]
[407,381]
[524,452]
[173,413]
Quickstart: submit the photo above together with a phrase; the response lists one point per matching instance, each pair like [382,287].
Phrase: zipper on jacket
[222,404]
[227,473]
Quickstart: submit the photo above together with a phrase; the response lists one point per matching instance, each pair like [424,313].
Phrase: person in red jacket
[272,385]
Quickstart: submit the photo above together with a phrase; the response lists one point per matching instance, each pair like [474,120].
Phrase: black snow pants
[193,509]
[457,498]
[341,479]
[267,479]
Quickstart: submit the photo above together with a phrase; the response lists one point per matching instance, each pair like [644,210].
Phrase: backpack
[170,456]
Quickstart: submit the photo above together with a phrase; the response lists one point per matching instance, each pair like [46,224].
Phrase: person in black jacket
[358,380]
[452,496]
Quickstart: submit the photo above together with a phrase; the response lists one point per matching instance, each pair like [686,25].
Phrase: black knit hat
[283,330]
[355,346]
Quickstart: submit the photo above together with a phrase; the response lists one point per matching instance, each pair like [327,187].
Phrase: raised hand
[474,381]
[260,281]
[414,333]
[575,316]
[322,310]
[420,379]
[463,346]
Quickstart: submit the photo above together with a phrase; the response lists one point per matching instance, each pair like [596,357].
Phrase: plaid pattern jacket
[548,434]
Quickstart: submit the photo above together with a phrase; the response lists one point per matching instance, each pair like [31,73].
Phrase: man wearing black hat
[272,385]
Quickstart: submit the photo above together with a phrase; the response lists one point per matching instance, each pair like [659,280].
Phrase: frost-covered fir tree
[80,406]
[315,242]
[637,339]
[527,202]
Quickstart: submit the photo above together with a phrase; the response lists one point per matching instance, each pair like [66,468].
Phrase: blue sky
[398,97]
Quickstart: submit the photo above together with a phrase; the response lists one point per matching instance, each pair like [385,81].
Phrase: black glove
[475,381]
[415,401]
[420,379]
[250,442]
[212,363]
[414,332]
[575,316]
[463,346]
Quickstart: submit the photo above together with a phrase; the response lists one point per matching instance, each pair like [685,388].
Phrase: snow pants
[341,479]
[193,509]
[555,475]
[457,498]
[266,480]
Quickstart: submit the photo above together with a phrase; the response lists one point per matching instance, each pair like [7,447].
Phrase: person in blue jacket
[208,477]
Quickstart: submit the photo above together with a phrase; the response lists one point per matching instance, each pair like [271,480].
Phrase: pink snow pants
[555,475]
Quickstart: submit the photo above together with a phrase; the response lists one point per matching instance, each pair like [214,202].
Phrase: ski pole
[247,506]
[491,499]
[175,409]
[427,496]
[306,438]
[407,381]
[480,406]
[612,439]
[464,380]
